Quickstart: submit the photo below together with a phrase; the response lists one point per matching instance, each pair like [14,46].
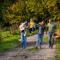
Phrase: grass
[45,38]
[58,49]
[33,33]
[33,49]
[7,45]
[10,41]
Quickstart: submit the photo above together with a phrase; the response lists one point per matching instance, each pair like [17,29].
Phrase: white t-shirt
[22,27]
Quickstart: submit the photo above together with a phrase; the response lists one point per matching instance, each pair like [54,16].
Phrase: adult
[23,35]
[41,33]
[51,30]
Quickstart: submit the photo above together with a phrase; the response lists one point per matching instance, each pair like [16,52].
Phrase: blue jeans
[51,40]
[40,39]
[23,40]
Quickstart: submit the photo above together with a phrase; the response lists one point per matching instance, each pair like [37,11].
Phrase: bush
[1,38]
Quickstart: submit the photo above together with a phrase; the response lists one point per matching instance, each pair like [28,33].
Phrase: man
[41,33]
[51,30]
[23,35]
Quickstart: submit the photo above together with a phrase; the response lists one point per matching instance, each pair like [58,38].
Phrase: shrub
[1,37]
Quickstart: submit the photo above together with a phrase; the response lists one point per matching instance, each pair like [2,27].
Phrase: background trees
[15,11]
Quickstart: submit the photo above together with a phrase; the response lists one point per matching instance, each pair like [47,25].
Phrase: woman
[23,35]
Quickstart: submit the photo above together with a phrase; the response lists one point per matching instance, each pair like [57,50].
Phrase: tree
[16,11]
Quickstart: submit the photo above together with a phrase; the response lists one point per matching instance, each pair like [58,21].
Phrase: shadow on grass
[8,45]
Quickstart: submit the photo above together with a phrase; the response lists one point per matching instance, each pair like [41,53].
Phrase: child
[31,25]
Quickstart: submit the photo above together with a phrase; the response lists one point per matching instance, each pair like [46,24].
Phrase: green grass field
[9,41]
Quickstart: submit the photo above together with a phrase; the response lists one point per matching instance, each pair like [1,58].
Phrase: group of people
[49,28]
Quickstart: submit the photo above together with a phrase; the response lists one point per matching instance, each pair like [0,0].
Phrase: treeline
[12,12]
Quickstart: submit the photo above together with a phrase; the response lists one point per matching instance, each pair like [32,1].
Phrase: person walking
[51,30]
[31,25]
[23,35]
[41,33]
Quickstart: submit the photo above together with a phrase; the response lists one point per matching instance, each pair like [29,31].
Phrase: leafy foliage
[16,11]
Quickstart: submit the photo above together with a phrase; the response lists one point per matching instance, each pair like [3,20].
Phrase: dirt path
[45,53]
